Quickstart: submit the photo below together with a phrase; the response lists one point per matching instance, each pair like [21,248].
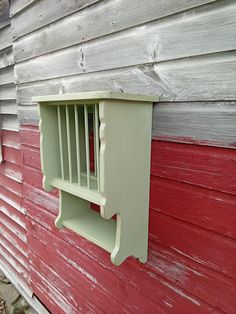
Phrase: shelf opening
[79,145]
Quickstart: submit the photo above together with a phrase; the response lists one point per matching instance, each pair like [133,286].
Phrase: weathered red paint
[192,248]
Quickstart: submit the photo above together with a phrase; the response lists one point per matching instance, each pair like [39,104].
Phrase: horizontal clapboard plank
[209,209]
[44,12]
[8,92]
[146,44]
[17,6]
[28,114]
[5,37]
[10,122]
[7,75]
[84,26]
[6,57]
[211,122]
[209,167]
[203,78]
[8,107]
[207,123]
[4,22]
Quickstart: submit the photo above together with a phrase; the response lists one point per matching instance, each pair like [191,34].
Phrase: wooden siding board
[209,122]
[7,75]
[5,37]
[41,198]
[14,227]
[93,23]
[211,250]
[209,167]
[105,277]
[13,214]
[12,155]
[8,92]
[200,79]
[82,293]
[10,122]
[210,209]
[8,107]
[17,6]
[12,260]
[14,251]
[11,139]
[44,12]
[16,241]
[180,270]
[194,277]
[6,58]
[11,185]
[206,123]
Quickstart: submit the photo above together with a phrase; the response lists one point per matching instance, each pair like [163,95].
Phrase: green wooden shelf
[95,148]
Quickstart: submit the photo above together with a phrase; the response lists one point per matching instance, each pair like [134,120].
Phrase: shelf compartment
[90,225]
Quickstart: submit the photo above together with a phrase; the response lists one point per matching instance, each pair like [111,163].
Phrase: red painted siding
[13,233]
[192,249]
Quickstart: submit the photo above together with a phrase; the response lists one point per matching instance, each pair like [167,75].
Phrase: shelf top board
[95,96]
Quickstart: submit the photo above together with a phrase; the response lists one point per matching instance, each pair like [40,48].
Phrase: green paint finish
[119,184]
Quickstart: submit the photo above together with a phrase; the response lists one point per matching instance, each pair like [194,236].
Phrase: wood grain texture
[179,269]
[110,283]
[210,209]
[13,233]
[7,75]
[209,123]
[8,107]
[6,57]
[8,92]
[17,6]
[93,23]
[192,237]
[209,167]
[44,12]
[5,37]
[203,78]
[10,122]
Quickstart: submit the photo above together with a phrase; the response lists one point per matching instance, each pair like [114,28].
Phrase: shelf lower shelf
[90,225]
[73,188]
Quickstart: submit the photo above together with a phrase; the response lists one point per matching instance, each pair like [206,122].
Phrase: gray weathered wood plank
[207,123]
[7,75]
[44,12]
[8,107]
[113,16]
[184,37]
[211,123]
[202,78]
[10,122]
[6,57]
[19,5]
[4,23]
[8,92]
[28,115]
[5,37]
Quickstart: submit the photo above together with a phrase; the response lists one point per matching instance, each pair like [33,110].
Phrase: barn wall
[171,49]
[13,234]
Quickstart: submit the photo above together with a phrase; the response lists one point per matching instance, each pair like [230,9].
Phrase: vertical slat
[68,142]
[96,140]
[87,145]
[77,142]
[60,141]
